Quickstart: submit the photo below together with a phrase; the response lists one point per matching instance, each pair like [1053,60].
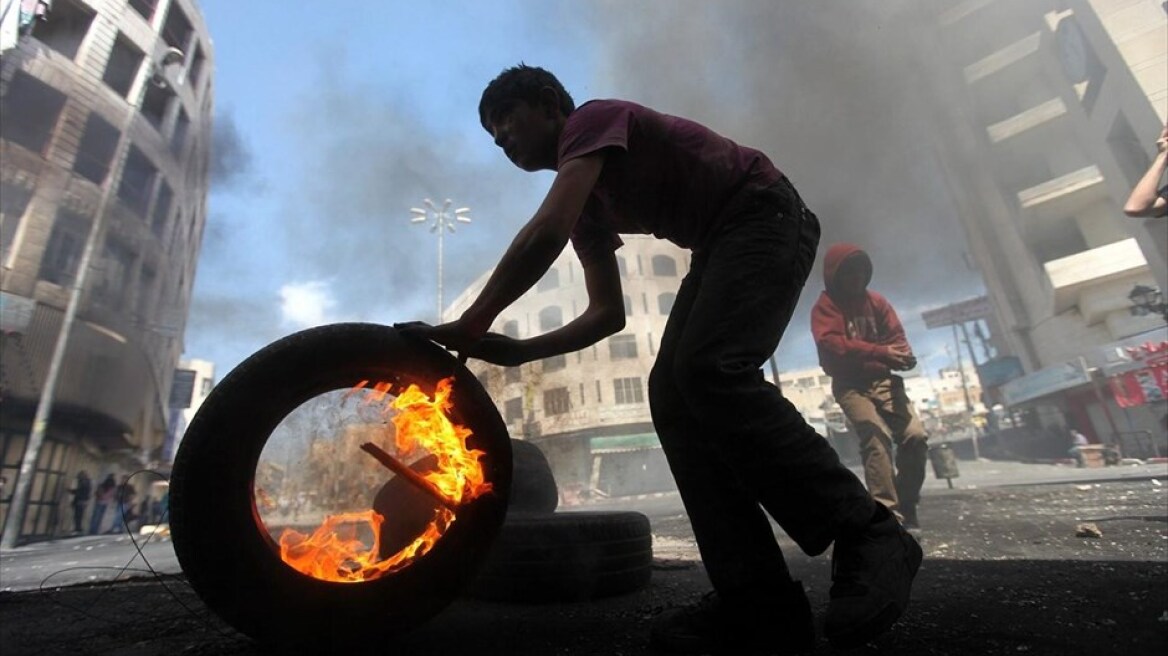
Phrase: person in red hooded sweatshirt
[861,342]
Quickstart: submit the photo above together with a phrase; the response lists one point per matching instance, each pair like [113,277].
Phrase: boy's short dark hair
[517,83]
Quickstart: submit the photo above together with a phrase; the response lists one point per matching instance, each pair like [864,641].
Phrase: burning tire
[571,556]
[229,558]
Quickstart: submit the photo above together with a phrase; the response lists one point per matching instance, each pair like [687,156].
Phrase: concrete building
[105,140]
[1045,114]
[193,380]
[588,411]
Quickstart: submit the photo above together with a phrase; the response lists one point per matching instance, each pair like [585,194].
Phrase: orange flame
[333,552]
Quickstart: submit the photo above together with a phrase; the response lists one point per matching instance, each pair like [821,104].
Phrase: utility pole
[442,220]
[965,389]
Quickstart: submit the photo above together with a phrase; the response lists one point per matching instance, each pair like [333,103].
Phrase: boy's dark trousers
[733,442]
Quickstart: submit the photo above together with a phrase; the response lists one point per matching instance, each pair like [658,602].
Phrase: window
[63,252]
[113,274]
[512,375]
[206,387]
[155,103]
[178,138]
[557,401]
[161,210]
[550,318]
[137,179]
[550,280]
[806,382]
[64,28]
[665,302]
[622,266]
[627,390]
[146,291]
[13,202]
[145,8]
[176,31]
[628,306]
[1128,150]
[30,112]
[513,410]
[825,380]
[663,265]
[196,68]
[622,347]
[554,363]
[96,149]
[122,67]
[511,329]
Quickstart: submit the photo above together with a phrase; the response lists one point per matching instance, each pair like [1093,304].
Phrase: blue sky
[345,115]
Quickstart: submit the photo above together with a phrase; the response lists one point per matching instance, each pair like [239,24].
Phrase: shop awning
[624,443]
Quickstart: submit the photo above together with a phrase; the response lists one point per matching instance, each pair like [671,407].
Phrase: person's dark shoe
[781,625]
[872,576]
[910,520]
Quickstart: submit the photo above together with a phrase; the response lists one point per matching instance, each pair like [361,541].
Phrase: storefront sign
[958,313]
[1043,382]
[15,312]
[1148,384]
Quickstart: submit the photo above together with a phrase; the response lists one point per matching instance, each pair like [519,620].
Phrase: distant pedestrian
[103,496]
[126,494]
[861,342]
[81,491]
[1078,441]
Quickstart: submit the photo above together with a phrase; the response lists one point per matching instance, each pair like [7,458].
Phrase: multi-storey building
[1045,116]
[588,411]
[104,143]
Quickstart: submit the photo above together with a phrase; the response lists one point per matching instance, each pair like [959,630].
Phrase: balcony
[1065,195]
[1018,62]
[1031,128]
[1092,278]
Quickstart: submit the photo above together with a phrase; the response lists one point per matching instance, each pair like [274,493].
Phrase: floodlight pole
[443,219]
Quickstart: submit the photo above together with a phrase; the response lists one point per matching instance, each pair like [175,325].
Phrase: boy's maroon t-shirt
[663,175]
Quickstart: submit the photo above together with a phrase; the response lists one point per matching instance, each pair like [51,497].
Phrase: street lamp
[1146,300]
[443,219]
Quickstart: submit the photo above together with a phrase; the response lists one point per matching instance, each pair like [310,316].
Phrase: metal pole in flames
[443,219]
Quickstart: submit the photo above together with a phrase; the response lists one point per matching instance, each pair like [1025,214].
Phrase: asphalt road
[1008,570]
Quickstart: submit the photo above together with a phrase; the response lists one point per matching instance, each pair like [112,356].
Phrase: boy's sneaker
[781,625]
[910,520]
[872,576]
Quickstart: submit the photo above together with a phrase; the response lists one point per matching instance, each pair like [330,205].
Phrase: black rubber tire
[568,556]
[227,555]
[533,486]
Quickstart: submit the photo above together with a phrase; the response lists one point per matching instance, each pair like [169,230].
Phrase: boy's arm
[531,252]
[1145,199]
[827,327]
[604,316]
[900,356]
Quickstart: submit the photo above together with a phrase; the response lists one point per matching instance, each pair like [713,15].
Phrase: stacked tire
[542,556]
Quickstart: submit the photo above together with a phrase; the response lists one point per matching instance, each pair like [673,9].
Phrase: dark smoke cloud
[373,159]
[830,92]
[230,155]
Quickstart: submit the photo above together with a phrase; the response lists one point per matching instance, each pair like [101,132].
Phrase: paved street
[89,559]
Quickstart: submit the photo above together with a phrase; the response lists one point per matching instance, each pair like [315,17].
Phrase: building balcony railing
[1020,54]
[1026,125]
[1065,195]
[1075,278]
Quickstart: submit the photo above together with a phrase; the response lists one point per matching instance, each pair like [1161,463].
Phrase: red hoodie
[853,335]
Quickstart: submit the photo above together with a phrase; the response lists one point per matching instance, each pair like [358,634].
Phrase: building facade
[589,411]
[104,148]
[1045,114]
